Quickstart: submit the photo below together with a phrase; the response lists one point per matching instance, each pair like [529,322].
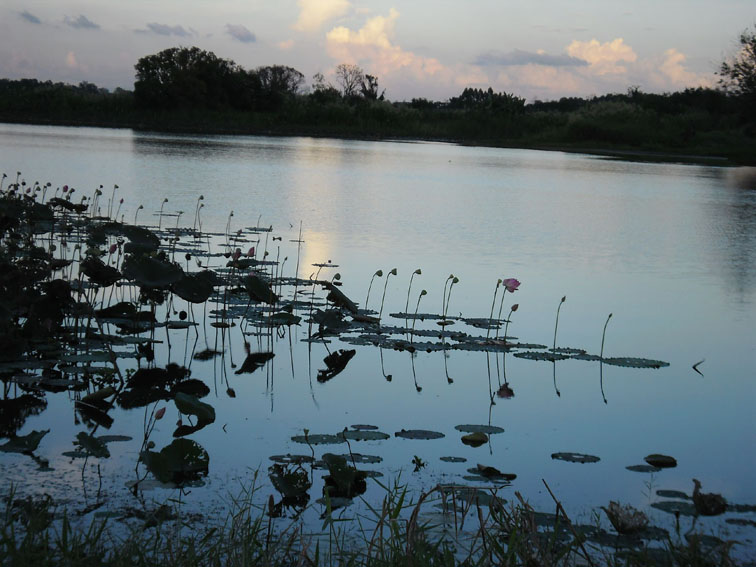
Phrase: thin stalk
[603,336]
[490,317]
[556,324]
[385,285]
[378,273]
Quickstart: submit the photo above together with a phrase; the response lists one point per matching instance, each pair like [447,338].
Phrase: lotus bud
[337,276]
[423,292]
[251,251]
[379,273]
[159,413]
[418,272]
[515,307]
[393,271]
[113,248]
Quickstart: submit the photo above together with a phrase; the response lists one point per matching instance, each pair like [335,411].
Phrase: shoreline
[619,153]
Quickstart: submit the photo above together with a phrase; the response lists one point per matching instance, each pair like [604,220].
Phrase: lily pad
[194,288]
[661,461]
[575,457]
[365,435]
[419,434]
[673,494]
[291,459]
[635,362]
[259,290]
[536,355]
[487,429]
[453,459]
[364,427]
[643,468]
[319,439]
[675,506]
[492,473]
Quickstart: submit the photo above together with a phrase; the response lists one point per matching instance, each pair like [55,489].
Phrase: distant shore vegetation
[191,90]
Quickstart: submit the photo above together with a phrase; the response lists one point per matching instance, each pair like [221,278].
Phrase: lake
[668,249]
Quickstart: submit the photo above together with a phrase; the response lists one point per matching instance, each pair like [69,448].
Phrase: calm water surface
[669,249]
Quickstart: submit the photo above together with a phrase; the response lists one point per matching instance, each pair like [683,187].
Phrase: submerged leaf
[575,457]
[180,462]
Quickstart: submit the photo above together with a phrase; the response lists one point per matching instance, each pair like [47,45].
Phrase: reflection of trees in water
[735,214]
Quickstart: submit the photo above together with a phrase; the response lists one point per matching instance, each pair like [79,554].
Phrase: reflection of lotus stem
[385,285]
[490,317]
[406,305]
[564,298]
[443,296]
[448,298]
[378,273]
[603,335]
[414,319]
[196,211]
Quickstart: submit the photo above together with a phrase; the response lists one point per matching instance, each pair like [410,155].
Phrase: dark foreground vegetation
[191,90]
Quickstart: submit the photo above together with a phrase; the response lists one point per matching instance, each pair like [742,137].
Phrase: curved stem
[556,324]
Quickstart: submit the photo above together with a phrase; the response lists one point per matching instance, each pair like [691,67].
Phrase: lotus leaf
[488,429]
[575,457]
[26,444]
[418,434]
[661,461]
[151,272]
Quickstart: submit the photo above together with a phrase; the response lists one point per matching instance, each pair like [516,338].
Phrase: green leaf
[180,462]
[91,445]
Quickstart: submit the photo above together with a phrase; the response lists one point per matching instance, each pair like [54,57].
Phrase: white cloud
[285,45]
[371,46]
[314,13]
[604,58]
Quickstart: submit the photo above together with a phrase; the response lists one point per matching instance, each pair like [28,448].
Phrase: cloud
[240,33]
[285,45]
[31,18]
[165,29]
[519,57]
[81,23]
[73,63]
[604,58]
[372,47]
[314,13]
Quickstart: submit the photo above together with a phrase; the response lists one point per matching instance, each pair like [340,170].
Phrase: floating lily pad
[291,459]
[418,434]
[453,459]
[575,457]
[319,439]
[635,362]
[535,355]
[643,468]
[475,439]
[488,429]
[364,427]
[661,461]
[492,473]
[365,435]
[673,494]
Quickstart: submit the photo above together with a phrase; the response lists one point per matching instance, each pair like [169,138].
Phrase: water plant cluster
[91,304]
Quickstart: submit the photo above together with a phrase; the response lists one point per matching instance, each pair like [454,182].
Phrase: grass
[401,532]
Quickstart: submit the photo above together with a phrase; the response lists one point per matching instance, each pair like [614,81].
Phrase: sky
[536,49]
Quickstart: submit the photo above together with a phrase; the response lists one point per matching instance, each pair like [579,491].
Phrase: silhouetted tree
[369,88]
[739,73]
[350,78]
[186,77]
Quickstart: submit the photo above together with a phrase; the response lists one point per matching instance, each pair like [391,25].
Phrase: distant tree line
[190,89]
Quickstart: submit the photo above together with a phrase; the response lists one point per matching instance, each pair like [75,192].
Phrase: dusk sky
[541,49]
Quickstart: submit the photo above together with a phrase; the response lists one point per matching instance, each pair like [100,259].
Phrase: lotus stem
[414,319]
[506,325]
[160,216]
[139,208]
[448,298]
[378,273]
[196,211]
[443,297]
[556,324]
[490,317]
[118,210]
[603,336]
[111,202]
[385,285]
[418,272]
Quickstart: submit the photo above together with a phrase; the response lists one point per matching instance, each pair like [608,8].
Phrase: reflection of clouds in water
[741,177]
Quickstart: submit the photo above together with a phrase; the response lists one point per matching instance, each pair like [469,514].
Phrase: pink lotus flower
[236,254]
[113,248]
[159,414]
[511,284]
[65,188]
[251,252]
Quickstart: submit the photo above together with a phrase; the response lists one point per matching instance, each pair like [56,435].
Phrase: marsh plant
[377,274]
[385,285]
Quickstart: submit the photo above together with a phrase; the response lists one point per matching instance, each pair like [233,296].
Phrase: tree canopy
[739,72]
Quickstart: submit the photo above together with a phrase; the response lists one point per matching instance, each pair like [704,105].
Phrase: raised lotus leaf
[635,362]
[487,429]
